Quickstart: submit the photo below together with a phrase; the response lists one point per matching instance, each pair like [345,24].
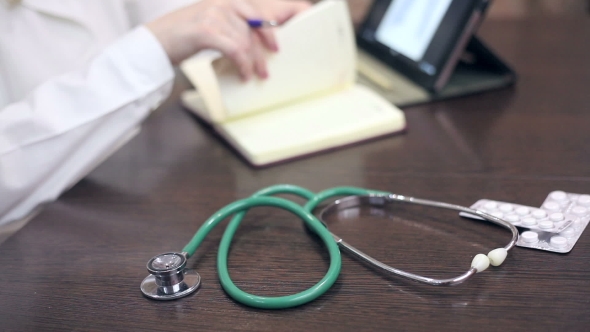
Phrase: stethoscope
[170,279]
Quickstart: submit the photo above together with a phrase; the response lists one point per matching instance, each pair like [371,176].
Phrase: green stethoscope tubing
[264,198]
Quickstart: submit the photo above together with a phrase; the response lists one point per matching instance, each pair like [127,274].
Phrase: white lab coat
[77,77]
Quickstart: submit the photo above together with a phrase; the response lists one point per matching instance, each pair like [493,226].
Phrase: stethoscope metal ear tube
[169,279]
[382,200]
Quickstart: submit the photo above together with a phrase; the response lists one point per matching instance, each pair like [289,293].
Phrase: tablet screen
[417,37]
[408,26]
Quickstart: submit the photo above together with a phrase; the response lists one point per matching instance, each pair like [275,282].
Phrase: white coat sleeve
[68,125]
[143,11]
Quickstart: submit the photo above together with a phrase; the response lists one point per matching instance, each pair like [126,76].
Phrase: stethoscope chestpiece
[169,279]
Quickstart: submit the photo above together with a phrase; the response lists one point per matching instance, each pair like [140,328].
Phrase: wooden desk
[78,265]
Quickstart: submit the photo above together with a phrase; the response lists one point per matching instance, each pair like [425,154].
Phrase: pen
[262,23]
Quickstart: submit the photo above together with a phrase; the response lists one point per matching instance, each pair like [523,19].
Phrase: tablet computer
[421,39]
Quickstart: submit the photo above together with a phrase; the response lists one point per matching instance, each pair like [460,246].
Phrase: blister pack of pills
[556,226]
[524,216]
[575,207]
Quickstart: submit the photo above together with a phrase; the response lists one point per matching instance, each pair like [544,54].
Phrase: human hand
[222,25]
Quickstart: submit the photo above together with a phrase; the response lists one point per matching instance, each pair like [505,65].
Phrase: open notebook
[309,103]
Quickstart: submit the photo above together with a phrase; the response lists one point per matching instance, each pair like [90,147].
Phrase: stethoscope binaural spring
[169,279]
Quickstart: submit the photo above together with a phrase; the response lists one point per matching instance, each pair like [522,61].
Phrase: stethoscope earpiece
[169,279]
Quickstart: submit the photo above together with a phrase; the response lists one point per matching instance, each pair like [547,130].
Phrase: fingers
[288,9]
[259,58]
[274,10]
[251,44]
[248,57]
[267,38]
[222,25]
[236,54]
[279,11]
[248,11]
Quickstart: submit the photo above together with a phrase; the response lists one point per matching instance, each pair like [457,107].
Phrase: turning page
[317,55]
[310,102]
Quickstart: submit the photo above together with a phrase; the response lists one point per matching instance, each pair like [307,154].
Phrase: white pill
[557,216]
[539,214]
[506,207]
[568,232]
[551,206]
[528,221]
[584,200]
[522,211]
[512,218]
[580,210]
[546,224]
[558,195]
[558,241]
[497,214]
[529,237]
[491,205]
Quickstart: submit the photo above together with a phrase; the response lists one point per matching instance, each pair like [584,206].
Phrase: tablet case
[478,70]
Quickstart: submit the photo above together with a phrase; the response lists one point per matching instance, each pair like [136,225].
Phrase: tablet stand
[478,70]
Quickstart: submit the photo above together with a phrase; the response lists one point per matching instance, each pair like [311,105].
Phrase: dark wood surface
[78,265]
